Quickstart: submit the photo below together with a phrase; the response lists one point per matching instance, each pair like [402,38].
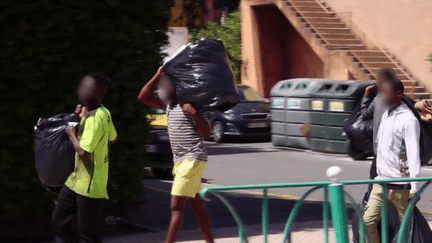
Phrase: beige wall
[402,26]
[273,49]
[249,73]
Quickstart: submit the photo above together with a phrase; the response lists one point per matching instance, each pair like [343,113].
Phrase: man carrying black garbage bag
[86,187]
[373,106]
[187,129]
[398,155]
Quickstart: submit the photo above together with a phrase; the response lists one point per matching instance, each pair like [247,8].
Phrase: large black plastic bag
[425,134]
[419,230]
[54,154]
[393,221]
[359,131]
[202,75]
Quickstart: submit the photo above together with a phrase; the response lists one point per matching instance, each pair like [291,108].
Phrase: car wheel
[217,131]
[161,173]
[356,153]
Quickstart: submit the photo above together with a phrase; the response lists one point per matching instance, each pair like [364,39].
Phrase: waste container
[278,114]
[340,99]
[289,116]
[310,113]
[299,112]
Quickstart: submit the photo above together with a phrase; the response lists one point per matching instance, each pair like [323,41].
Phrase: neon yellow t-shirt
[90,178]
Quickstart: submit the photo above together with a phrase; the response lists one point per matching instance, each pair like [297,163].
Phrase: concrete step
[372,59]
[310,8]
[379,64]
[369,53]
[373,69]
[376,70]
[303,1]
[338,36]
[343,41]
[323,20]
[414,89]
[420,89]
[327,25]
[317,14]
[422,96]
[345,47]
[308,4]
[403,77]
[409,82]
[333,30]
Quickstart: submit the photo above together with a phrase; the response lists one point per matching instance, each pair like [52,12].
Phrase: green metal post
[384,233]
[326,214]
[265,208]
[338,212]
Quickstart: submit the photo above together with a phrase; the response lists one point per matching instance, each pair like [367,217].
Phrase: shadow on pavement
[154,215]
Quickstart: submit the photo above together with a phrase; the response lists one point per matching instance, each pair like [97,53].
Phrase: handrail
[340,227]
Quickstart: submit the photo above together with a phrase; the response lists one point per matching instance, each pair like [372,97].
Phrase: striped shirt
[185,141]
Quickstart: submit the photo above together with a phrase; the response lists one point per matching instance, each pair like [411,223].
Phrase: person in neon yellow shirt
[86,187]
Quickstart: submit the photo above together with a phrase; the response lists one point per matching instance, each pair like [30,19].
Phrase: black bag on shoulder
[359,131]
[202,75]
[54,153]
[425,134]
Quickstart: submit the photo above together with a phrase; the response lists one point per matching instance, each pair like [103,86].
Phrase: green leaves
[47,46]
[429,58]
[230,34]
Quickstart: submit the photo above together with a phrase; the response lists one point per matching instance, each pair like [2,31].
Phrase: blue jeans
[86,210]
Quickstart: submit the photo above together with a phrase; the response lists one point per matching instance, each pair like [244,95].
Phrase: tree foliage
[229,5]
[193,11]
[429,58]
[229,33]
[47,46]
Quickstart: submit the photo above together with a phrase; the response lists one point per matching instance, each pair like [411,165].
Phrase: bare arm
[201,124]
[70,131]
[145,96]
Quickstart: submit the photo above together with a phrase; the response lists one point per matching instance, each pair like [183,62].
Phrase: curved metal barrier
[336,206]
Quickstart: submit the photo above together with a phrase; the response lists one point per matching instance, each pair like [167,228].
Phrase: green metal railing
[335,206]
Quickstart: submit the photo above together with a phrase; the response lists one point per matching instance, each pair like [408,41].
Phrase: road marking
[258,193]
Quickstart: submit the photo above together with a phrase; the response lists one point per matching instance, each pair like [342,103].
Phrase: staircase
[338,34]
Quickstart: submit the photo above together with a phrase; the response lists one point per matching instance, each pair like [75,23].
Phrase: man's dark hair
[389,75]
[101,79]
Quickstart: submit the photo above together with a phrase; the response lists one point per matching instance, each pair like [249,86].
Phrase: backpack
[425,134]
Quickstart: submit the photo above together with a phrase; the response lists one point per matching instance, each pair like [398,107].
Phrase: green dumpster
[300,111]
[289,116]
[277,98]
[339,99]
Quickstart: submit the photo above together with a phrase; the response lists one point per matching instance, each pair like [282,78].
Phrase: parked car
[159,148]
[249,118]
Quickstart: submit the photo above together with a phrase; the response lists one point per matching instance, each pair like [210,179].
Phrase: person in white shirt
[398,156]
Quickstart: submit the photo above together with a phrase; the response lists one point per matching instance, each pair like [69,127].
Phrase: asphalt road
[256,163]
[241,163]
[253,163]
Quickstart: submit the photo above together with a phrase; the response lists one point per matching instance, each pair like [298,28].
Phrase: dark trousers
[70,204]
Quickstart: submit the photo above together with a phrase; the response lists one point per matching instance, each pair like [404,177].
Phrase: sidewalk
[310,232]
[302,232]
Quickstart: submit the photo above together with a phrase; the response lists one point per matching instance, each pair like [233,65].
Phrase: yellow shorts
[187,178]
